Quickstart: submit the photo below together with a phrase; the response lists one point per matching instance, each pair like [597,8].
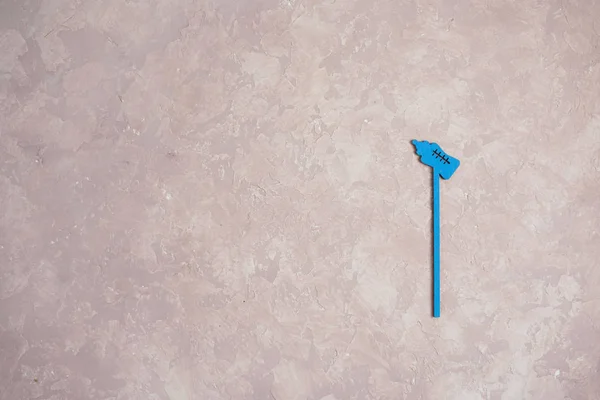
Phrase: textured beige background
[219,200]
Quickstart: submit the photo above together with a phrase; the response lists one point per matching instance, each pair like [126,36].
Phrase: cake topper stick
[442,165]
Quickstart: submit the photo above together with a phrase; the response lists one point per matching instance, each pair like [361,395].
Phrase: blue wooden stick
[442,165]
[436,243]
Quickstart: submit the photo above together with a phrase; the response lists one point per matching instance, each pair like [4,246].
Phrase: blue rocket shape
[433,155]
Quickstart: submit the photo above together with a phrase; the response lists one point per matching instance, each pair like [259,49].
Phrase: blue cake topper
[442,165]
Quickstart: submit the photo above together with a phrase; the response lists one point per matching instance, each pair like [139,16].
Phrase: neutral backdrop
[219,200]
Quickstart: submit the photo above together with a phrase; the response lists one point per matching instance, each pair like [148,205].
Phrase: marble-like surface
[218,199]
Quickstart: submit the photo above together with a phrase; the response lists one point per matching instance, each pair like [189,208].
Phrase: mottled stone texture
[219,200]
